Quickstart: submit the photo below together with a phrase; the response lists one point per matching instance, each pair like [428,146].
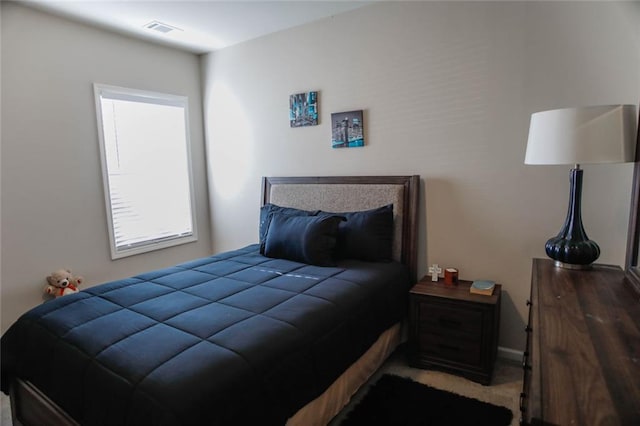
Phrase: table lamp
[586,135]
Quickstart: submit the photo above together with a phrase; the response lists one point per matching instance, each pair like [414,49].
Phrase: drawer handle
[529,302]
[448,347]
[446,322]
[525,366]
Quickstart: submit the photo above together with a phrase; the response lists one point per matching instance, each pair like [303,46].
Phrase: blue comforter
[236,338]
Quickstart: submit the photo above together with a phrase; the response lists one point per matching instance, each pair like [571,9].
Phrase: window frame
[153,98]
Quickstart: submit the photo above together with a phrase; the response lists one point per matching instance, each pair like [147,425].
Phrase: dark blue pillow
[266,213]
[366,235]
[306,239]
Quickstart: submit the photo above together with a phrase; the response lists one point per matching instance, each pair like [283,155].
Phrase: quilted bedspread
[232,339]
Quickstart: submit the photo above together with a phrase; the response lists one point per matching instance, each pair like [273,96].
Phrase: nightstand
[454,330]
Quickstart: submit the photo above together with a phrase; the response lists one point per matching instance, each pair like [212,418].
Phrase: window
[144,144]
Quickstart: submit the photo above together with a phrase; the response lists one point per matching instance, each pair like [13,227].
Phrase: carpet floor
[5,410]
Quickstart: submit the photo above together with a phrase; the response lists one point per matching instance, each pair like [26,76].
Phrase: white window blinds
[144,143]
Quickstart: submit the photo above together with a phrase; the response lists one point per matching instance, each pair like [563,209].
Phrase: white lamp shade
[596,134]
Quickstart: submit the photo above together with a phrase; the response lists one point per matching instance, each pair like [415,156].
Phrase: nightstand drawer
[450,319]
[456,350]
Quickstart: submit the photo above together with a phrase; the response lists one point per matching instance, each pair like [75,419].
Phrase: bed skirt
[321,410]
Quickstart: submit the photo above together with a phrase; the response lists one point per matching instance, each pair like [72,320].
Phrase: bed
[279,332]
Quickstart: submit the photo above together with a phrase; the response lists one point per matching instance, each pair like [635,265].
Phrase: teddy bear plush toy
[62,282]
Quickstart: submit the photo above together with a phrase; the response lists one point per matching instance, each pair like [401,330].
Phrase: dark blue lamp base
[571,248]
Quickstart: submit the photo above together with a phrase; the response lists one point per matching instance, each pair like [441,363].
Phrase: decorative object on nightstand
[484,287]
[454,330]
[435,270]
[451,276]
[587,135]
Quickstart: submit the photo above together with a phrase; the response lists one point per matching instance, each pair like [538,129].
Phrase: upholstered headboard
[354,193]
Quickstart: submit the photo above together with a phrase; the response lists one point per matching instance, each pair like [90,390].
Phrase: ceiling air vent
[160,27]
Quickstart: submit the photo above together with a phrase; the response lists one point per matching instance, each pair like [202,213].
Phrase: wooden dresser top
[586,332]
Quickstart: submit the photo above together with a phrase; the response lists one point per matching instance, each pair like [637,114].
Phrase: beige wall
[53,212]
[447,90]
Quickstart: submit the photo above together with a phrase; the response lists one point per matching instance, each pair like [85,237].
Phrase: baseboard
[509,354]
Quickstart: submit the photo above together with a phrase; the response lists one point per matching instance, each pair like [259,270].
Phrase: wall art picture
[347,129]
[303,109]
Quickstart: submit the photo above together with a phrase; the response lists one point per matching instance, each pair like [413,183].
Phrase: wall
[447,89]
[53,212]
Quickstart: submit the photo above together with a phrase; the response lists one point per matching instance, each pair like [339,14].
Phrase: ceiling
[200,26]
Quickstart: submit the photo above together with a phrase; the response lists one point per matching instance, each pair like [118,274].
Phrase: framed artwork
[303,109]
[347,129]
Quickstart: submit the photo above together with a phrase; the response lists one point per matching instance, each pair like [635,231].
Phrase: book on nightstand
[482,287]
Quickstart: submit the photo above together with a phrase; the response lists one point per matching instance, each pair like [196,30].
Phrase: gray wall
[447,89]
[53,212]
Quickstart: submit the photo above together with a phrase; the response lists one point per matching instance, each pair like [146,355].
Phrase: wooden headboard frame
[407,186]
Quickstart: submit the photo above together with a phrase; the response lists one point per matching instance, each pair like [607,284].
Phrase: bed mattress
[236,338]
